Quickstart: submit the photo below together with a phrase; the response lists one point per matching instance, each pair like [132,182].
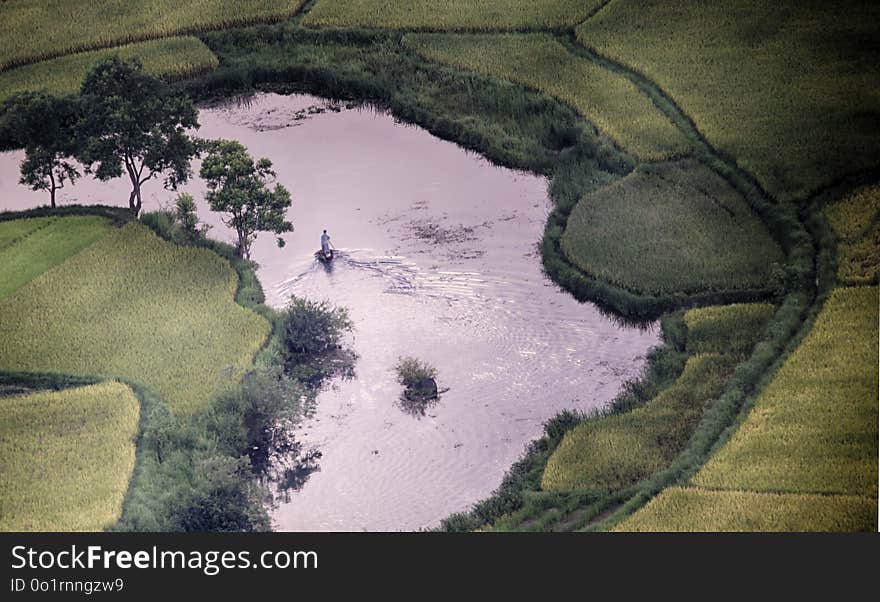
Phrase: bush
[411,372]
[311,341]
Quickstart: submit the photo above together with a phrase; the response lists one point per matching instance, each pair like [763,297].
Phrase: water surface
[439,260]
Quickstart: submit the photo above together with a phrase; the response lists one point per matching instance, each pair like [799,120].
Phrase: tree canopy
[239,186]
[135,124]
[45,126]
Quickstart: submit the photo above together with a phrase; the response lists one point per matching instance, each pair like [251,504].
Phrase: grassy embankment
[805,456]
[66,457]
[450,14]
[186,338]
[789,89]
[170,59]
[539,61]
[34,30]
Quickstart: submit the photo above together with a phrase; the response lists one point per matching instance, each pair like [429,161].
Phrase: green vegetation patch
[616,451]
[814,428]
[692,509]
[66,457]
[12,231]
[450,14]
[671,228]
[856,221]
[35,248]
[790,88]
[170,59]
[37,29]
[613,103]
[726,328]
[135,306]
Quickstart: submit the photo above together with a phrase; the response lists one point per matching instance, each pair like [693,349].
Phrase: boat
[325,256]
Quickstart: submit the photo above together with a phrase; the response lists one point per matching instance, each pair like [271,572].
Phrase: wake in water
[401,275]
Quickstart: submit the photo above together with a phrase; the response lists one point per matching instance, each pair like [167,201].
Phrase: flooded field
[438,260]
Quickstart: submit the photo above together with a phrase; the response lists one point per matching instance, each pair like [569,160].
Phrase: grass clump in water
[417,377]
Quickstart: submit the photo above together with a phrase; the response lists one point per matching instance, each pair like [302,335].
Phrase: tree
[186,216]
[135,124]
[239,187]
[46,127]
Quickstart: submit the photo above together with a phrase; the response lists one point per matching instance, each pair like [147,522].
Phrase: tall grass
[66,457]
[789,89]
[672,228]
[134,306]
[50,243]
[511,125]
[617,451]
[539,61]
[855,219]
[450,14]
[169,59]
[33,30]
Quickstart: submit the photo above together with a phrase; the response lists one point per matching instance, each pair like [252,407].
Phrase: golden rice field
[856,221]
[691,509]
[37,29]
[169,59]
[132,305]
[66,457]
[805,458]
[35,245]
[450,14]
[790,89]
[610,101]
[632,233]
[814,427]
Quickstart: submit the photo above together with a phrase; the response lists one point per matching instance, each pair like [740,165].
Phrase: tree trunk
[139,205]
[52,189]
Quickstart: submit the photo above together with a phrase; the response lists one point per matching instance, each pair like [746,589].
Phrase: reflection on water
[438,261]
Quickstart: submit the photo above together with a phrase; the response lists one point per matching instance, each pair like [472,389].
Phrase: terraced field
[131,305]
[671,228]
[789,89]
[450,14]
[30,247]
[539,61]
[168,58]
[856,221]
[805,458]
[32,30]
[66,457]
[787,92]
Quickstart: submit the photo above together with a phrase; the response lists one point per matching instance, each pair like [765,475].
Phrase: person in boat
[325,244]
